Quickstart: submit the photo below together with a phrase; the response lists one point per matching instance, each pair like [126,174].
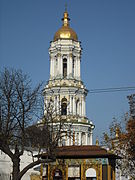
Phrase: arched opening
[91,174]
[64,106]
[57,175]
[64,67]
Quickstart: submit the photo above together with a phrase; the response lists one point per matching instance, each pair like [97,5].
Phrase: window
[64,68]
[64,106]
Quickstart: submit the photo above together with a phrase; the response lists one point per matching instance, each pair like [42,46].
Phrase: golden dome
[65,32]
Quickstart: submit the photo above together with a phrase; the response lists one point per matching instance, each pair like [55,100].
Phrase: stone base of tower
[76,130]
[80,134]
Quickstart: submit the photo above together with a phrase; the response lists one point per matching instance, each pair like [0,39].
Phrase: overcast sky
[106,29]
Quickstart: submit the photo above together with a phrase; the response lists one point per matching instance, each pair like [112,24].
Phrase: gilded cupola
[65,32]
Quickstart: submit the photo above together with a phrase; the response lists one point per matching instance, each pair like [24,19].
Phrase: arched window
[64,106]
[91,174]
[64,67]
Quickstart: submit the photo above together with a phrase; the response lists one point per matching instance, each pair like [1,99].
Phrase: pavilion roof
[86,151]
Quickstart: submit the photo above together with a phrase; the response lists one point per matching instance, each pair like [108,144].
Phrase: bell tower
[65,86]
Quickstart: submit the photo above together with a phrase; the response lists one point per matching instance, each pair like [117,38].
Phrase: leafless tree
[19,103]
[17,106]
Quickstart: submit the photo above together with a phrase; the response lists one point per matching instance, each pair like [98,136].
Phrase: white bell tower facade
[65,87]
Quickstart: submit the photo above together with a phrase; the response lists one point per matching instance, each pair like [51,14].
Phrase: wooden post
[113,173]
[100,171]
[81,171]
[66,172]
[109,171]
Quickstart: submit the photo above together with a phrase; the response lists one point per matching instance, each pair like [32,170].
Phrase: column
[79,73]
[71,138]
[68,107]
[70,66]
[45,106]
[80,138]
[70,104]
[82,106]
[86,134]
[75,69]
[74,106]
[50,68]
[58,105]
[68,138]
[77,107]
[74,136]
[54,105]
[91,138]
[77,138]
[54,66]
[61,67]
[58,67]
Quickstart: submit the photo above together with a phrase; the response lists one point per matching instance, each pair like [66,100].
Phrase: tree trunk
[16,168]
